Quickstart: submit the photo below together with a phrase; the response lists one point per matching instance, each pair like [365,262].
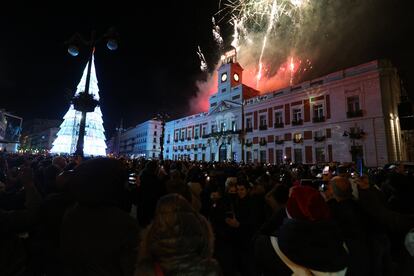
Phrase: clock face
[236,77]
[223,77]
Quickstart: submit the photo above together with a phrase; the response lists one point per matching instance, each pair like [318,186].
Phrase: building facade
[215,135]
[143,140]
[341,117]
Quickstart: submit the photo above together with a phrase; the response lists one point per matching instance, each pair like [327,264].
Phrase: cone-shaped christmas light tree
[67,137]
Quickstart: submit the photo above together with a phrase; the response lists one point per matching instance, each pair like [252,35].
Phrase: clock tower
[230,75]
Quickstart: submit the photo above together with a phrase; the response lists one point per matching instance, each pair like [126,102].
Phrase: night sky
[156,65]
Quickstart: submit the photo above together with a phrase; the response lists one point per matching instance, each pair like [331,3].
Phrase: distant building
[344,116]
[143,140]
[37,125]
[39,134]
[10,131]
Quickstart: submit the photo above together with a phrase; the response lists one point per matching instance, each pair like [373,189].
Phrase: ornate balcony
[278,125]
[262,127]
[248,144]
[354,114]
[279,142]
[297,122]
[318,119]
[354,135]
[319,138]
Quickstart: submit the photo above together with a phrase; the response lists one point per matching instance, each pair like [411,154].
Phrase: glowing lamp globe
[73,50]
[112,44]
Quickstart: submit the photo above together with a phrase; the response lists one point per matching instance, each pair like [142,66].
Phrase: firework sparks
[203,63]
[216,34]
[251,18]
[292,70]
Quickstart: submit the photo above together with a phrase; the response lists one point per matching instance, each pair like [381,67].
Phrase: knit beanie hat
[306,203]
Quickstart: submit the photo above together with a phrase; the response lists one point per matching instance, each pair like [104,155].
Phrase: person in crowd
[389,226]
[276,199]
[13,256]
[308,242]
[408,260]
[59,162]
[179,241]
[194,182]
[352,223]
[244,222]
[97,236]
[149,191]
[45,241]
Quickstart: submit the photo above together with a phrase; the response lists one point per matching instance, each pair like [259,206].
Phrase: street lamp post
[85,102]
[162,117]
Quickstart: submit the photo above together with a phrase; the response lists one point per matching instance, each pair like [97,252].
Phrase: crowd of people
[114,216]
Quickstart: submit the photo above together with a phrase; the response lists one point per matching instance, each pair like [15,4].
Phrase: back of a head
[60,162]
[194,175]
[280,193]
[50,174]
[151,166]
[99,181]
[341,187]
[178,229]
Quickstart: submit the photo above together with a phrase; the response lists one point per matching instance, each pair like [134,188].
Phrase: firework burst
[261,19]
[216,34]
[203,63]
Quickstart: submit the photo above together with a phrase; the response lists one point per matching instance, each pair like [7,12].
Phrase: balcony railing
[262,127]
[195,137]
[182,139]
[297,122]
[319,119]
[319,138]
[263,142]
[359,134]
[249,129]
[355,113]
[278,125]
[176,140]
[248,144]
[188,138]
[279,142]
[356,135]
